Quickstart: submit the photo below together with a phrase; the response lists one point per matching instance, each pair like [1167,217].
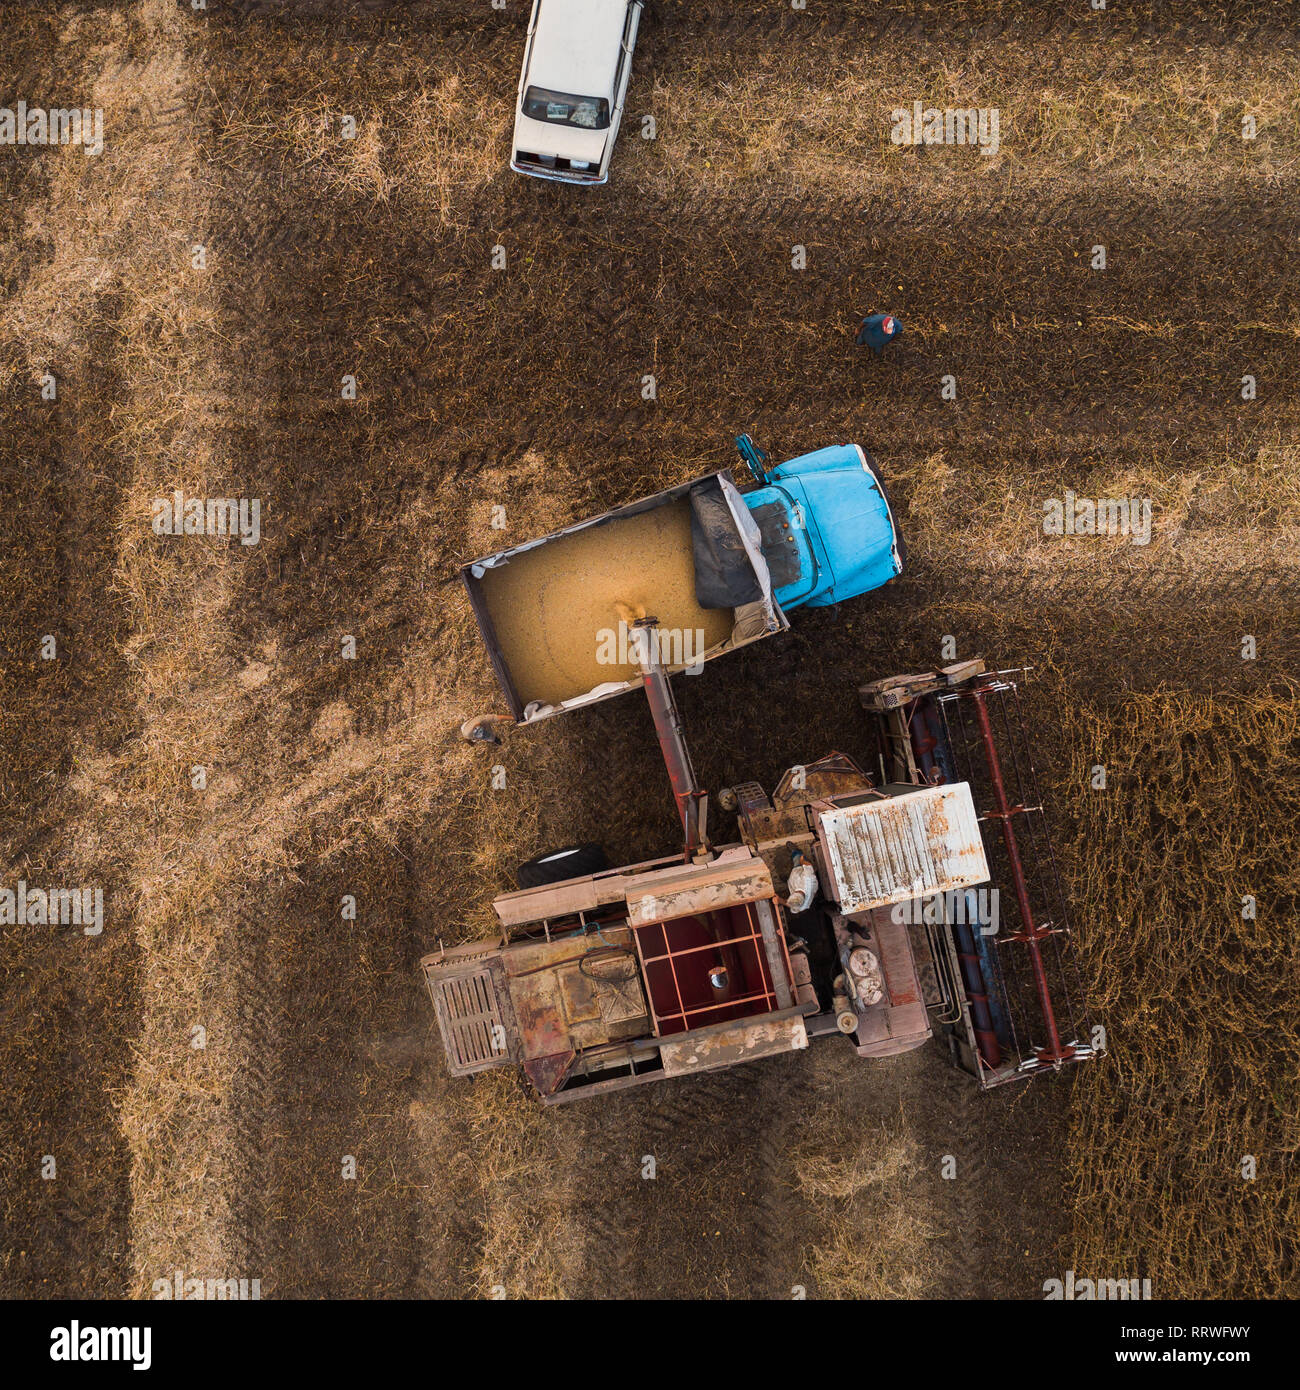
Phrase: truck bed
[550,604]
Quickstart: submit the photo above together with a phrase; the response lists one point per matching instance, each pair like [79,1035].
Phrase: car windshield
[558,108]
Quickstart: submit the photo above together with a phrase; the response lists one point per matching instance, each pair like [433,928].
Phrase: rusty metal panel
[892,848]
[555,900]
[584,894]
[547,1073]
[900,1021]
[601,1088]
[896,691]
[778,958]
[694,889]
[834,775]
[711,1048]
[563,1008]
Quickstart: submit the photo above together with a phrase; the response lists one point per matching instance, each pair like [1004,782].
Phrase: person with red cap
[877,330]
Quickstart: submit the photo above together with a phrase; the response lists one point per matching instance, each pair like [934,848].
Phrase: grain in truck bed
[551,604]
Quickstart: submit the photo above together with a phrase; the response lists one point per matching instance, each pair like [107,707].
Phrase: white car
[576,69]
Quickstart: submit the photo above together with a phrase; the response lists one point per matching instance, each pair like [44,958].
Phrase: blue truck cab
[827,528]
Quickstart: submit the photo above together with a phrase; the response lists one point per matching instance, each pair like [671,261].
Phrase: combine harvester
[600,979]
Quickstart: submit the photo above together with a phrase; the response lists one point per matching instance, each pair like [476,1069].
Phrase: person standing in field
[877,331]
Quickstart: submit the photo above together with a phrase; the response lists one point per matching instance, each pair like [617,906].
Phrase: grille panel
[470,1017]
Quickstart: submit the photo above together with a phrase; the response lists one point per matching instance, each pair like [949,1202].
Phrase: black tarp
[724,573]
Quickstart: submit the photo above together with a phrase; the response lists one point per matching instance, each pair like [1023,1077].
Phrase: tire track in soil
[242,994]
[758,23]
[965,1273]
[1175,381]
[307,1090]
[1202,583]
[1004,1213]
[255,1008]
[196,1159]
[715,1220]
[638,1232]
[782,1083]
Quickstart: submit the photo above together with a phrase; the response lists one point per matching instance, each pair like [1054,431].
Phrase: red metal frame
[684,1013]
[672,743]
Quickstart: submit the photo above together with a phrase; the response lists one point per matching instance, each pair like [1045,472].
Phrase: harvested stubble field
[326,778]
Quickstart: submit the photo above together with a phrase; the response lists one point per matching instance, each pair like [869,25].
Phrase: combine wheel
[574,861]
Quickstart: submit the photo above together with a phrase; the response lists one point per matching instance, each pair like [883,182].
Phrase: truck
[721,564]
[599,979]
[577,64]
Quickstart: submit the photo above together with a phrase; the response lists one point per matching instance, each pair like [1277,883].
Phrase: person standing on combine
[801,892]
[877,331]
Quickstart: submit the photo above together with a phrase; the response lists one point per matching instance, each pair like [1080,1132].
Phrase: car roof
[575,46]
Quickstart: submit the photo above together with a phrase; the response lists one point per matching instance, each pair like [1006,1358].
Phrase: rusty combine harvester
[601,979]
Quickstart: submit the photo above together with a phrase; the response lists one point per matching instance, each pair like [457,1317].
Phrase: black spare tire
[574,861]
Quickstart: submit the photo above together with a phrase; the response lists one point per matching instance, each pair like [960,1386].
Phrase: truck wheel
[574,861]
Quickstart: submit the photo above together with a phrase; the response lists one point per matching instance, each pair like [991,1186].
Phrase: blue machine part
[982,937]
[754,457]
[828,532]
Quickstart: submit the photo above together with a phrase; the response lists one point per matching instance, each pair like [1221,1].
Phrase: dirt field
[198,745]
